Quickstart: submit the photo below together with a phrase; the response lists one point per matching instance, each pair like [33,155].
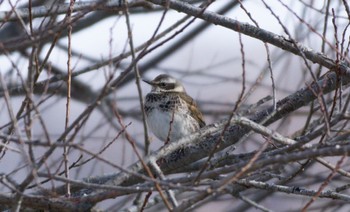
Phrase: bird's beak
[148,82]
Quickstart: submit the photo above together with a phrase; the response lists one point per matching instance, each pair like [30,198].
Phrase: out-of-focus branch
[58,9]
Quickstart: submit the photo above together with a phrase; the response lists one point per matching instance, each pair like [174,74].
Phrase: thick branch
[247,29]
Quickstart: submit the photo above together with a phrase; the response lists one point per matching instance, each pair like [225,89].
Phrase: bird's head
[165,83]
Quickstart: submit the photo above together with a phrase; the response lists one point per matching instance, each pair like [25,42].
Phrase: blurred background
[216,65]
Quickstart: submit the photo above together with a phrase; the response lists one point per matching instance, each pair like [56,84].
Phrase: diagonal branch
[199,145]
[249,30]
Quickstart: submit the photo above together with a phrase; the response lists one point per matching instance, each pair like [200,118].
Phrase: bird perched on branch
[170,112]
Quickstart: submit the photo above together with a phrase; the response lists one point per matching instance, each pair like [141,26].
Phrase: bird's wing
[195,112]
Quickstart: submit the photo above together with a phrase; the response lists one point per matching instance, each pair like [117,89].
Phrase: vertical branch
[240,98]
[32,65]
[321,99]
[318,72]
[337,62]
[170,127]
[18,198]
[30,16]
[69,78]
[137,74]
[347,8]
[274,101]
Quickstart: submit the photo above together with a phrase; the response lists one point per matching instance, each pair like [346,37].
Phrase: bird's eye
[162,84]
